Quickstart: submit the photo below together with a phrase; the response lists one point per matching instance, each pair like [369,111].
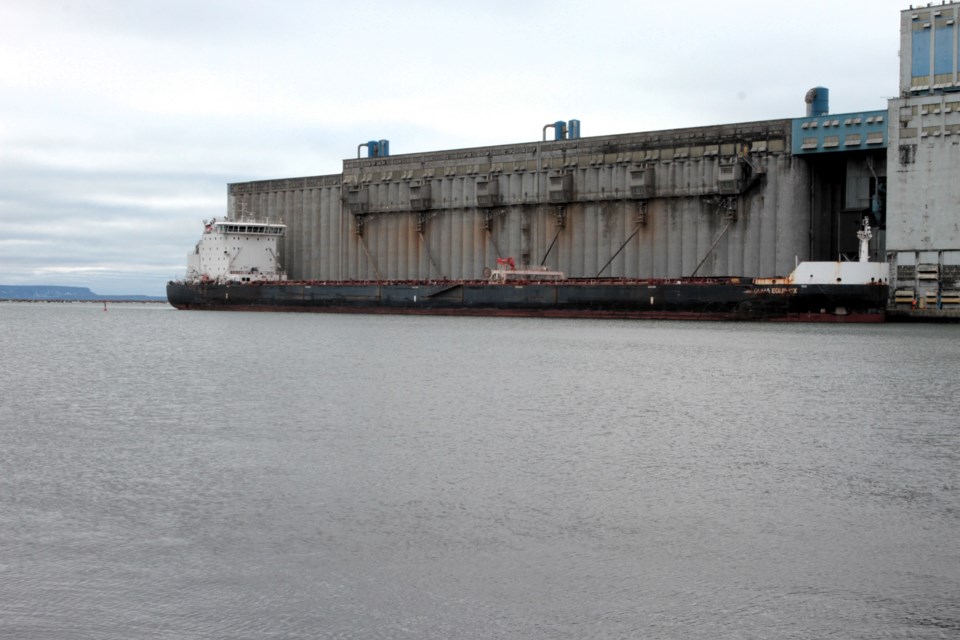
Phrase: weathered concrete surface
[724,200]
[923,202]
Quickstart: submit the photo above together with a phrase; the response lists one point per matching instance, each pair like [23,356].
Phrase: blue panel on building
[920,54]
[840,132]
[943,50]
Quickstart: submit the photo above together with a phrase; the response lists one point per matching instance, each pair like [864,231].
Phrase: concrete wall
[923,196]
[923,239]
[928,48]
[726,200]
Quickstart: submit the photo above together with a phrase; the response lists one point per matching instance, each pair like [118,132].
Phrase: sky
[122,122]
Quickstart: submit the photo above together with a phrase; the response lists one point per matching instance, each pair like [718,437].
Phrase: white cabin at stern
[860,272]
[841,273]
[236,251]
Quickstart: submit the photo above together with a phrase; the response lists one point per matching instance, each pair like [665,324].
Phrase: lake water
[169,474]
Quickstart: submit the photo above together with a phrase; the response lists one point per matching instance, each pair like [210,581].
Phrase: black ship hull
[689,299]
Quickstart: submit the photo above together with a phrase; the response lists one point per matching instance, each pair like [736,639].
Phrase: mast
[864,235]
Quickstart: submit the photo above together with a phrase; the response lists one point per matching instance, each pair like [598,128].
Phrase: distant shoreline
[61,293]
[89,301]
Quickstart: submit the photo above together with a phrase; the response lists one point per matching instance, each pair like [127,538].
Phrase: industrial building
[747,199]
[923,200]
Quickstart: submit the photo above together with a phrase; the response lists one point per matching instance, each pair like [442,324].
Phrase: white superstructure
[236,251]
[861,272]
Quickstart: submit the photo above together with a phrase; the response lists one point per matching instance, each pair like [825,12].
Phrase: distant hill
[44,292]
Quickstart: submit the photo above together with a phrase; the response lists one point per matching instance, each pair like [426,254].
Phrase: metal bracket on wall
[487,223]
[642,213]
[489,215]
[561,217]
[727,205]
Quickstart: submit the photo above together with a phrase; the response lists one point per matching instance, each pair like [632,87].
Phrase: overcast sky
[121,122]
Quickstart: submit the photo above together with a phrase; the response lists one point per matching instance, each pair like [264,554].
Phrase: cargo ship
[236,267]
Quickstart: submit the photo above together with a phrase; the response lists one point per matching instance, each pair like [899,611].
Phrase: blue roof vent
[375,148]
[818,102]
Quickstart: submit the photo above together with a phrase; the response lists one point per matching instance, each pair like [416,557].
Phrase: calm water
[170,474]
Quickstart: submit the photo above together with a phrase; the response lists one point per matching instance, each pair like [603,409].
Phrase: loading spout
[712,247]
